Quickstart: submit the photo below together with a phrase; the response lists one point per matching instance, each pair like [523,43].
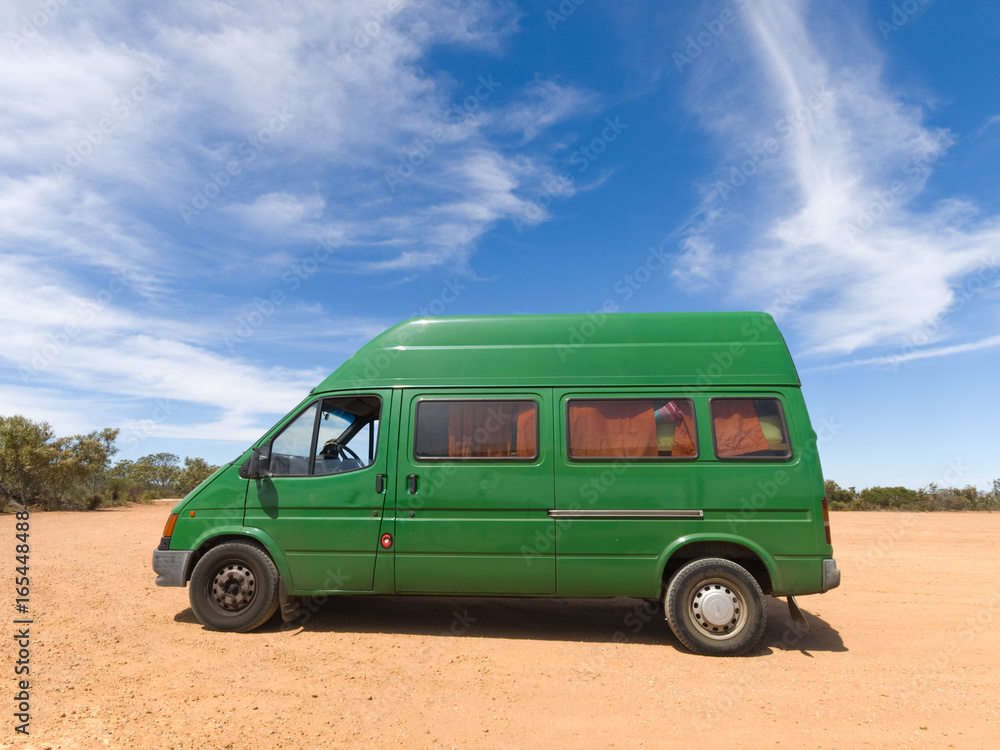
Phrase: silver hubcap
[233,587]
[718,609]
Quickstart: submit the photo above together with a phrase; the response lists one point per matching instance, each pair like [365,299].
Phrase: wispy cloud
[825,169]
[990,122]
[245,145]
[543,104]
[895,360]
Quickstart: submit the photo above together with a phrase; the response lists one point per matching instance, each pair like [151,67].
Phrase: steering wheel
[333,449]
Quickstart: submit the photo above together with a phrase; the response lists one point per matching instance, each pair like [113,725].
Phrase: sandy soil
[904,654]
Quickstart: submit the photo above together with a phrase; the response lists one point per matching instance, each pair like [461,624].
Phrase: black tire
[234,587]
[735,617]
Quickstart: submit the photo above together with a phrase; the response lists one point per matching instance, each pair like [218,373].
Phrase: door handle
[411,480]
[379,484]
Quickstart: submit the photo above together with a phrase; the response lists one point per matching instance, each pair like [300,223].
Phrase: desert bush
[930,498]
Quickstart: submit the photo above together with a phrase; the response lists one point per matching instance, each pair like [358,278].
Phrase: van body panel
[215,506]
[586,576]
[798,575]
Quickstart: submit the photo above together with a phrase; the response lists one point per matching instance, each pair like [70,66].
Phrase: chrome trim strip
[627,514]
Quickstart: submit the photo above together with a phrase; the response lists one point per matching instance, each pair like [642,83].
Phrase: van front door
[322,502]
[473,492]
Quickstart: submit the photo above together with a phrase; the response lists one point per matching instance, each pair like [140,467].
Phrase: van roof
[676,349]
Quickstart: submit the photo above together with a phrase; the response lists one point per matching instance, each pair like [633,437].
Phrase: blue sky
[205,207]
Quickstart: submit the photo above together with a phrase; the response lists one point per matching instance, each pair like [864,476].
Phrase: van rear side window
[631,428]
[476,429]
[749,428]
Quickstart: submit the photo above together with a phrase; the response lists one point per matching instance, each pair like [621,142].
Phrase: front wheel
[234,587]
[715,607]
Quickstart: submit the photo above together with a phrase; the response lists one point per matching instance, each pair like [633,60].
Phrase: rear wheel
[715,607]
[234,587]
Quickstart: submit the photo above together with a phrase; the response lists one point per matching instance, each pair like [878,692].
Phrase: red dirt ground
[904,654]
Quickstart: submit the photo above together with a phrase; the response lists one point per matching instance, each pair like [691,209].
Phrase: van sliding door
[473,495]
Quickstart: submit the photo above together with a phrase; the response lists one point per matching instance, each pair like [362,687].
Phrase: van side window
[347,434]
[341,437]
[631,428]
[476,429]
[290,451]
[749,428]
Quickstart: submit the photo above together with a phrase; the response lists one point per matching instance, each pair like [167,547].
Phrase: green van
[659,456]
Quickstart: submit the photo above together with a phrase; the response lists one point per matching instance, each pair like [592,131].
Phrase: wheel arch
[736,549]
[242,534]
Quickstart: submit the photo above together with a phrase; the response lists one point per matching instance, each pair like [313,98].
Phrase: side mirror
[259,463]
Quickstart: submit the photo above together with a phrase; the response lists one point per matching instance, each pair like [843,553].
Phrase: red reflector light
[168,530]
[387,540]
[826,520]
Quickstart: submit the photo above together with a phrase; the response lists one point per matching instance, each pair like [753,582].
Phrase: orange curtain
[612,429]
[737,429]
[684,436]
[489,429]
[527,432]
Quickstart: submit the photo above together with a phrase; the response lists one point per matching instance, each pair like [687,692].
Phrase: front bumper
[831,575]
[171,566]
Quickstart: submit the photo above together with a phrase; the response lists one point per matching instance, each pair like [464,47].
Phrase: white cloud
[280,212]
[543,104]
[825,171]
[176,117]
[183,145]
[697,262]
